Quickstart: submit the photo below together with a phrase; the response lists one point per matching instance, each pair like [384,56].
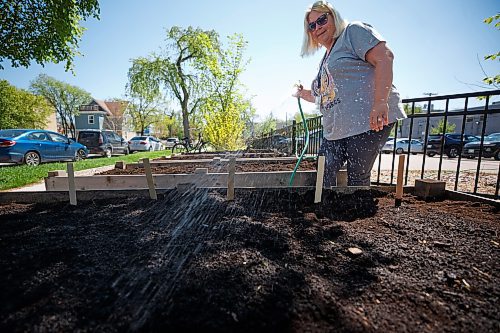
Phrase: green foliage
[203,78]
[189,51]
[224,126]
[65,98]
[493,80]
[439,128]
[147,104]
[225,110]
[21,109]
[43,30]
[408,110]
[267,126]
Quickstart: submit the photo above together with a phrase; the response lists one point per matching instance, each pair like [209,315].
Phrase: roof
[117,108]
[103,106]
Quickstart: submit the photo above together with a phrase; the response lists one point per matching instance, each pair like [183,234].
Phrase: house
[92,115]
[99,114]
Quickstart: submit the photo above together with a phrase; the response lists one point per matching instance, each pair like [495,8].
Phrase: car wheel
[80,155]
[32,158]
[431,154]
[453,152]
[108,152]
[497,155]
[400,151]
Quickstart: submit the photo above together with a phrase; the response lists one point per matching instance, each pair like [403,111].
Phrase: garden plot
[269,261]
[201,172]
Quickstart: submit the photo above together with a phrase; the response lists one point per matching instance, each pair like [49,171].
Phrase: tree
[178,71]
[116,121]
[65,98]
[439,128]
[144,113]
[225,110]
[493,80]
[169,125]
[43,30]
[147,104]
[21,109]
[267,126]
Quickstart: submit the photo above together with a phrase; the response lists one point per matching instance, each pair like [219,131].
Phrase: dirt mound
[271,261]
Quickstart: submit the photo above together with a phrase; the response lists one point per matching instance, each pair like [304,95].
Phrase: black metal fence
[463,114]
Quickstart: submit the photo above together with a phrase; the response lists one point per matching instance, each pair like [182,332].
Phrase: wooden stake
[71,184]
[230,178]
[399,185]
[319,179]
[149,178]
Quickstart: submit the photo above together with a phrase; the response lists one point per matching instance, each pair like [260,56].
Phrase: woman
[353,90]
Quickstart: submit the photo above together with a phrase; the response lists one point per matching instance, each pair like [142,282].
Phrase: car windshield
[137,138]
[11,133]
[171,139]
[493,137]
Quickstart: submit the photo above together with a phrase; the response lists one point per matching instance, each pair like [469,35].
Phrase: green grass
[21,175]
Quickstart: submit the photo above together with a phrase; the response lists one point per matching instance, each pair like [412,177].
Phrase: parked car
[452,145]
[315,140]
[170,142]
[103,142]
[144,143]
[491,147]
[416,146]
[32,147]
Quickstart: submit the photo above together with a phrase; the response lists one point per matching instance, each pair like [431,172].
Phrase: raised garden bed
[271,261]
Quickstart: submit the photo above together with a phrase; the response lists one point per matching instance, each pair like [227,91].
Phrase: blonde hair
[309,46]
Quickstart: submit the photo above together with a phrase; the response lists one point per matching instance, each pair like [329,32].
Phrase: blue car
[32,147]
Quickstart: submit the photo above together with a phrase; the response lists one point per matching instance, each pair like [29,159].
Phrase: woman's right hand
[303,93]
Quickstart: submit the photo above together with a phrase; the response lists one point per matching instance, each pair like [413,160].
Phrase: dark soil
[257,166]
[271,261]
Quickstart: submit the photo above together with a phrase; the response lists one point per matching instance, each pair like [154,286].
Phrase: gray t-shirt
[344,87]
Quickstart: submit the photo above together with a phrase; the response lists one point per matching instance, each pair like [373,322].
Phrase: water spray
[304,125]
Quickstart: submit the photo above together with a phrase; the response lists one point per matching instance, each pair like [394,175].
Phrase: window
[58,138]
[91,118]
[38,136]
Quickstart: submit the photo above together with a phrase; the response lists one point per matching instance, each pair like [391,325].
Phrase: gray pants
[358,151]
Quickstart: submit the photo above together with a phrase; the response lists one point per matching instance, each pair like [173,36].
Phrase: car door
[43,145]
[121,142]
[416,146]
[111,140]
[63,150]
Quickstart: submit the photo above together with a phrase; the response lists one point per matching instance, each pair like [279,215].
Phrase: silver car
[144,143]
[416,146]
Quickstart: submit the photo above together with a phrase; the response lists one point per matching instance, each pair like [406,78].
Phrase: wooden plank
[149,179]
[399,183]
[71,183]
[210,180]
[319,179]
[230,179]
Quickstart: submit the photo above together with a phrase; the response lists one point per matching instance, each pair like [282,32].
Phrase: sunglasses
[321,21]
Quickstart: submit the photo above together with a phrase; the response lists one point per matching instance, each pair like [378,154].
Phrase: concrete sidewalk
[40,186]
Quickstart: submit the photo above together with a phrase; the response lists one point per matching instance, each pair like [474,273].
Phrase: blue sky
[436,44]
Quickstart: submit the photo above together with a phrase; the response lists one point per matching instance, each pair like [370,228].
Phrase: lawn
[21,175]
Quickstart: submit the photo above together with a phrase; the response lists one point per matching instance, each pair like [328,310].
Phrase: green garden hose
[304,149]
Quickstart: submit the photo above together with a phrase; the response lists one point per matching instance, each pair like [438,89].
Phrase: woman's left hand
[379,116]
